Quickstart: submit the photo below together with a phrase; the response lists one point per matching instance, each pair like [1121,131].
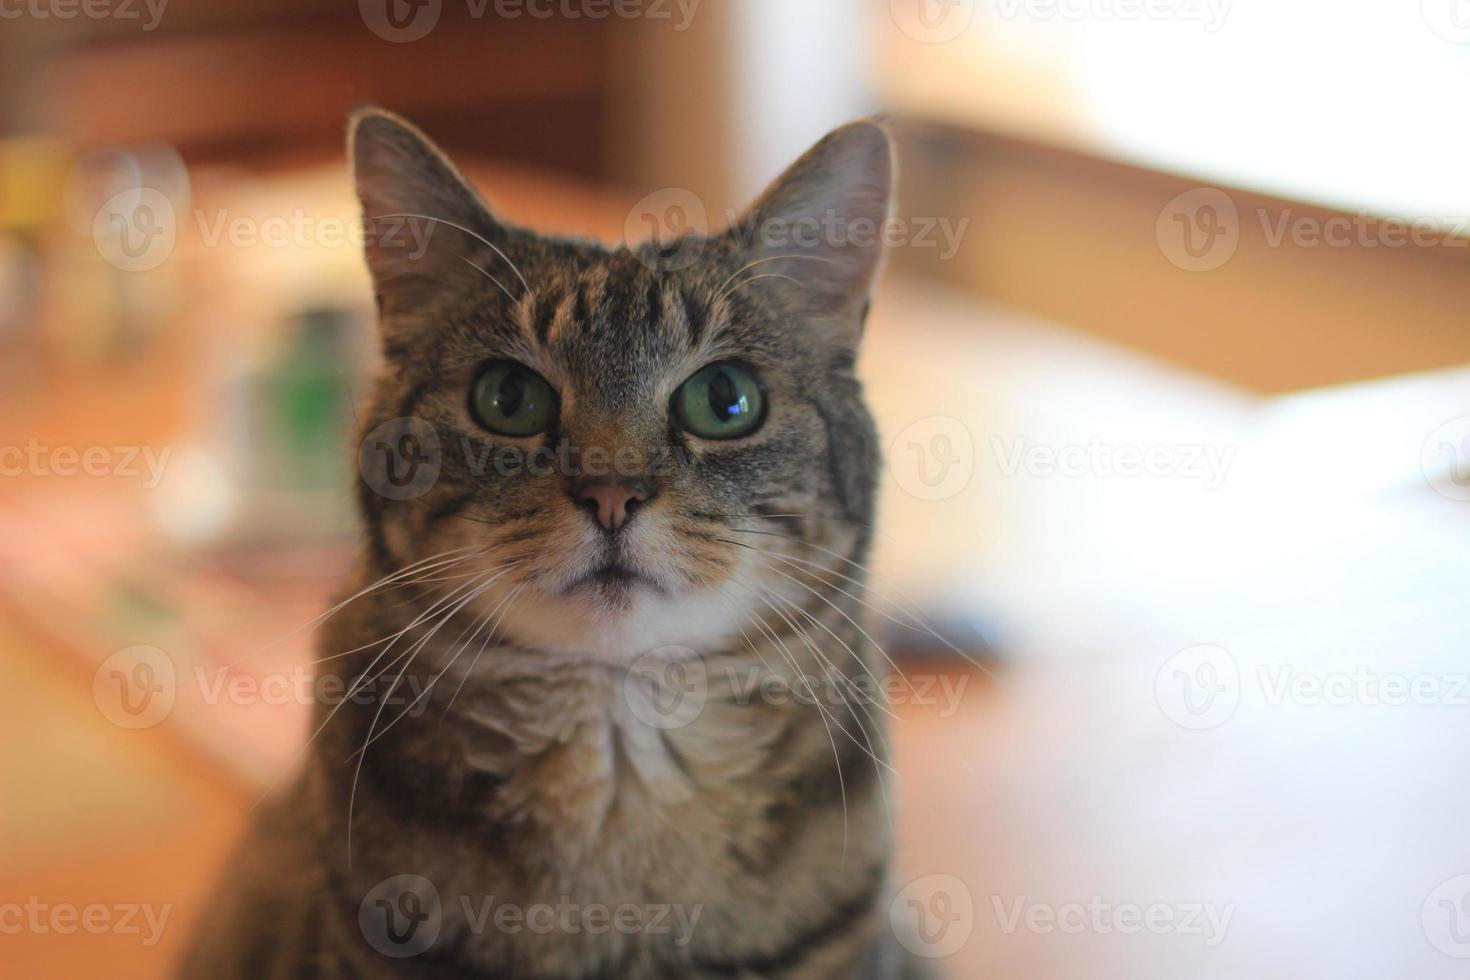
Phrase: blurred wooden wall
[267,80]
[1076,239]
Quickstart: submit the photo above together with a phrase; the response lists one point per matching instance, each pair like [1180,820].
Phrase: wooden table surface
[1194,758]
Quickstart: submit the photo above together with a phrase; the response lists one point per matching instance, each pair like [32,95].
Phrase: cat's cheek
[404,542]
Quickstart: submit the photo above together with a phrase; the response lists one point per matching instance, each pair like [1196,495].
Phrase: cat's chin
[613,585]
[618,618]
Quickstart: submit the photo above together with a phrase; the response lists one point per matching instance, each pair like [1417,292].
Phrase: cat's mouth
[613,578]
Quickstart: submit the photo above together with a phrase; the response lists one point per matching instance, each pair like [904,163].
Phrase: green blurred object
[309,413]
[20,288]
[312,399]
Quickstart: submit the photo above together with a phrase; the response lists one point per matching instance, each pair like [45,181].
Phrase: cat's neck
[545,775]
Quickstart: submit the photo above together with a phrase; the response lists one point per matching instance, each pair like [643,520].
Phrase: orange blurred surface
[1065,779]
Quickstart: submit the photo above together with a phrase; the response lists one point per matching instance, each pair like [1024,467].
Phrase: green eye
[722,401]
[512,400]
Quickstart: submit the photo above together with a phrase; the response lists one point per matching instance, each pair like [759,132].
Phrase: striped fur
[529,773]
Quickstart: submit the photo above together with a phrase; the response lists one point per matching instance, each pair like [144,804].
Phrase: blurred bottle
[31,179]
[308,393]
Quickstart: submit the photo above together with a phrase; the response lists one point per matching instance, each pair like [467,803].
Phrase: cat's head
[615,444]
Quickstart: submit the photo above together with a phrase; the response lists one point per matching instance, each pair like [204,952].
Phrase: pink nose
[611,500]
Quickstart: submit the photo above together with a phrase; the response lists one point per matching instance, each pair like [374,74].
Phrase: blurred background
[1171,361]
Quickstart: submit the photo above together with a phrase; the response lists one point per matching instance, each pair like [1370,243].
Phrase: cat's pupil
[512,393]
[723,399]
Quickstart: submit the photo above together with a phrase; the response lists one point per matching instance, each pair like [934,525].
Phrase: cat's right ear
[817,233]
[421,218]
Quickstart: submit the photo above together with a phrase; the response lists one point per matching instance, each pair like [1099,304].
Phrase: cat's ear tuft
[819,229]
[420,216]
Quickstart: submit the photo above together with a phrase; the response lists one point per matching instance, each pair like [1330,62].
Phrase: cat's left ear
[421,217]
[818,230]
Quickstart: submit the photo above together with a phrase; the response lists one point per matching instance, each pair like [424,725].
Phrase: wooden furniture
[270,81]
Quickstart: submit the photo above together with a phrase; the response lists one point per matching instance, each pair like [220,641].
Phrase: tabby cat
[609,706]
